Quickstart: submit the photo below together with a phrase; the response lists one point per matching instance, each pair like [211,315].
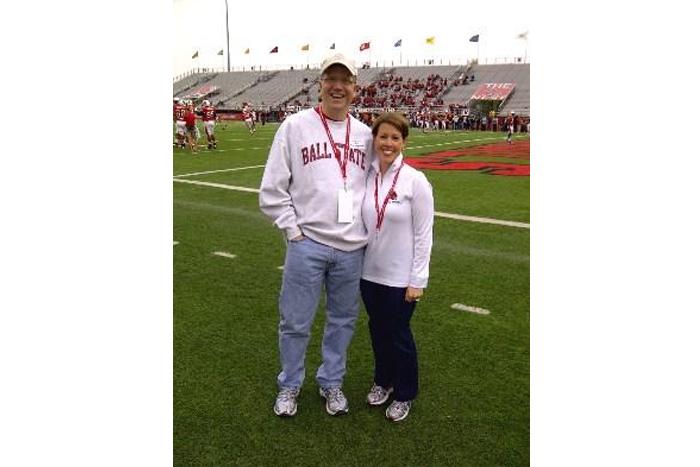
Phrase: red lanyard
[380,214]
[346,150]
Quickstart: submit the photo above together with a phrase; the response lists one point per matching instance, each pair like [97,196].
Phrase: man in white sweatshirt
[312,189]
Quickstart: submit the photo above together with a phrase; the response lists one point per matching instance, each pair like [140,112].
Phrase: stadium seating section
[397,87]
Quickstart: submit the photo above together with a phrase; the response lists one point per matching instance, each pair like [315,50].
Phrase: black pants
[395,356]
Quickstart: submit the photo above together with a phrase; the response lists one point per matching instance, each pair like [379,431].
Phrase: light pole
[228,52]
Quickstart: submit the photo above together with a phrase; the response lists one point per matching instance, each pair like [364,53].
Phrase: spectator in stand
[398,212]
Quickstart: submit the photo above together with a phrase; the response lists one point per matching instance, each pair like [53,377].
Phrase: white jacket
[398,255]
[299,188]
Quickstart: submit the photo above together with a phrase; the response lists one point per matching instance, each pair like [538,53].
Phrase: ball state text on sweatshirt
[299,188]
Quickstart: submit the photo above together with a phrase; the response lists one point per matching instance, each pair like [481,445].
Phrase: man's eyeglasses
[335,80]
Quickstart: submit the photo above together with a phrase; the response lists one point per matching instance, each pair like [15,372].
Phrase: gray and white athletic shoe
[398,410]
[378,394]
[336,403]
[286,403]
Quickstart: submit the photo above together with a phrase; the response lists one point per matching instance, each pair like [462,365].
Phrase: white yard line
[255,138]
[472,309]
[454,142]
[223,254]
[217,171]
[218,185]
[459,217]
[483,220]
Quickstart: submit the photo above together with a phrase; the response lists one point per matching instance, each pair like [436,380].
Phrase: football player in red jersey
[191,126]
[209,118]
[510,122]
[179,119]
[249,117]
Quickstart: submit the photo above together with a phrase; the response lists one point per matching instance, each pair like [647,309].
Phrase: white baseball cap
[340,59]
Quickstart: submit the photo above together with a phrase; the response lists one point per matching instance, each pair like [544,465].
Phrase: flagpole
[526,39]
[228,51]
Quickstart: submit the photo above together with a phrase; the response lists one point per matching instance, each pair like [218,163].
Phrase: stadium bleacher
[182,86]
[277,89]
[519,74]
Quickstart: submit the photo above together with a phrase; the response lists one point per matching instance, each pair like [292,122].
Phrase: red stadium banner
[201,92]
[493,91]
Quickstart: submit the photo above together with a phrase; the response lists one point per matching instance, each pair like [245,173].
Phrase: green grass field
[473,405]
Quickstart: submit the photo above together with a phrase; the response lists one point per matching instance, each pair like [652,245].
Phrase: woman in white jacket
[398,213]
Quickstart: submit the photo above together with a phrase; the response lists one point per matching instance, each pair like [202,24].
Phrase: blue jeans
[308,266]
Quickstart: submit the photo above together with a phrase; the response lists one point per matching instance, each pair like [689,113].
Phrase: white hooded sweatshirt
[299,188]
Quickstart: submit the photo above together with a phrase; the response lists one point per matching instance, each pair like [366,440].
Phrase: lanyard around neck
[346,150]
[390,193]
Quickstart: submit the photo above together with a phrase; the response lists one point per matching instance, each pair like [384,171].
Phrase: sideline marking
[176,243]
[224,254]
[218,185]
[483,220]
[222,170]
[459,217]
[455,142]
[281,268]
[472,309]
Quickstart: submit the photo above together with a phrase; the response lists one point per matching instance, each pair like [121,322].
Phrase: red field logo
[454,159]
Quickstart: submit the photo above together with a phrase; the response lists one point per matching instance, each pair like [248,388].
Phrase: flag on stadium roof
[430,40]
[333,46]
[305,47]
[196,54]
[398,43]
[364,46]
[220,52]
[274,50]
[474,38]
[522,35]
[247,51]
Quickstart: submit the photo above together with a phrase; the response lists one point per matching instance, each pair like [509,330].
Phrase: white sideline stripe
[453,142]
[472,309]
[245,149]
[218,185]
[483,220]
[224,254]
[247,139]
[459,217]
[217,171]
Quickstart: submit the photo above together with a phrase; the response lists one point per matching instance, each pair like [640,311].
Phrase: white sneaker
[378,395]
[336,403]
[397,410]
[286,403]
